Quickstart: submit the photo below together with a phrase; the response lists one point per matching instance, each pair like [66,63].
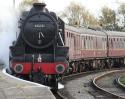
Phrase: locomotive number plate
[39,25]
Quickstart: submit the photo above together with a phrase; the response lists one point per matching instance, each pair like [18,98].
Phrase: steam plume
[8,29]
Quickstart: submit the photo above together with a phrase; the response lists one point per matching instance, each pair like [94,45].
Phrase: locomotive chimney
[39,6]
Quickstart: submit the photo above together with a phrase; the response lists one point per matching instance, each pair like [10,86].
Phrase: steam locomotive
[39,53]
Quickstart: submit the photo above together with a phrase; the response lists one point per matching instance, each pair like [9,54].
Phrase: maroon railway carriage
[116,41]
[92,49]
[116,48]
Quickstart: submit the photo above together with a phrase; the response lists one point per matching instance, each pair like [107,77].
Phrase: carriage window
[91,38]
[67,34]
[103,42]
[111,43]
[71,35]
[92,42]
[124,43]
[75,42]
[84,43]
[89,43]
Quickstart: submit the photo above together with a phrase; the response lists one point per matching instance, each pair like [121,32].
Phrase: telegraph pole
[14,3]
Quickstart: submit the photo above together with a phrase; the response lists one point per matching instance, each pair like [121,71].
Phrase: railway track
[106,83]
[78,86]
[120,83]
[78,75]
[58,95]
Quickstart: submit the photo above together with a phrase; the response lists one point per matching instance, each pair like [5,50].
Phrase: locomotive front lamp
[18,68]
[60,68]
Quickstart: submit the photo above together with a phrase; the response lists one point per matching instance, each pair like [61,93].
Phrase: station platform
[11,88]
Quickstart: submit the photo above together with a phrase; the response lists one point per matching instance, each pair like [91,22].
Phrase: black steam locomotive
[39,53]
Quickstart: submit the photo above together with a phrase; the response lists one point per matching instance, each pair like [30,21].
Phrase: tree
[89,20]
[108,18]
[73,13]
[121,11]
[78,15]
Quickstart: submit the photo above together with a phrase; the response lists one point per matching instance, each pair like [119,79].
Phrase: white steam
[8,29]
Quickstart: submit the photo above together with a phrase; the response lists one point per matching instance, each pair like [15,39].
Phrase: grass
[122,79]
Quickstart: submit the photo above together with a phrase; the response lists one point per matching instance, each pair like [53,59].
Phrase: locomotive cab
[39,51]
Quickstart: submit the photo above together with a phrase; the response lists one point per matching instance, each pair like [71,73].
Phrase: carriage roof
[115,33]
[82,30]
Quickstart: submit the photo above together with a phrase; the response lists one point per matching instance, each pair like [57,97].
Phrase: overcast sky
[93,6]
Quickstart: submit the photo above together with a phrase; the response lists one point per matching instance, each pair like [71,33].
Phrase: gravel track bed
[81,88]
